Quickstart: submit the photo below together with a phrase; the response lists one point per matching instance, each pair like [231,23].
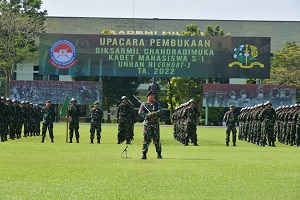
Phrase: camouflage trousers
[95,126]
[26,128]
[231,128]
[191,132]
[2,131]
[74,125]
[125,131]
[13,127]
[149,133]
[297,134]
[49,126]
[268,133]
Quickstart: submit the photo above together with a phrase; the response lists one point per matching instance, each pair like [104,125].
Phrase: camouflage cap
[48,101]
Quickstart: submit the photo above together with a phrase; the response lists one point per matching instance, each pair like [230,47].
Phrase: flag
[63,111]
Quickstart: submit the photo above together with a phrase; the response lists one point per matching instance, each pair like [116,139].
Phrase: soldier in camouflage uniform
[48,114]
[258,124]
[293,126]
[96,115]
[74,114]
[124,115]
[268,116]
[241,120]
[151,111]
[132,120]
[289,130]
[230,118]
[38,120]
[32,120]
[191,117]
[22,117]
[17,117]
[284,119]
[296,118]
[3,113]
[26,118]
[9,117]
[13,122]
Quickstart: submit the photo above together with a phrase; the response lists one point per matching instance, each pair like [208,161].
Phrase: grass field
[34,170]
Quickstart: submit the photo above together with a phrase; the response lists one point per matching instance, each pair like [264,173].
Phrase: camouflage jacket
[96,115]
[74,113]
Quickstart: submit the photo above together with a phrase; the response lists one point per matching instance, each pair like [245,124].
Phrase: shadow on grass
[188,158]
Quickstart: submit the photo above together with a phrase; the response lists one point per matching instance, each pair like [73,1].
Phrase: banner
[246,95]
[154,56]
[38,92]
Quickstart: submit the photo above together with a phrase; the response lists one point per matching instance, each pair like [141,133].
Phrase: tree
[116,87]
[285,66]
[20,24]
[178,89]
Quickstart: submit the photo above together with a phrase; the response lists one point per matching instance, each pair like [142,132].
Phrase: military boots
[144,155]
[159,155]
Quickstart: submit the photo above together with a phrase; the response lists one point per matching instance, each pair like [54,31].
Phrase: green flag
[63,111]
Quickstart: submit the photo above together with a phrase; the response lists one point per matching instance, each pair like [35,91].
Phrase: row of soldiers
[14,115]
[262,124]
[185,123]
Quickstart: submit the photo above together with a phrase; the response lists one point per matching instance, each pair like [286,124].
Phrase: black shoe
[77,140]
[43,140]
[227,143]
[196,144]
[92,141]
[98,141]
[234,144]
[70,140]
[119,142]
[52,141]
[144,156]
[159,155]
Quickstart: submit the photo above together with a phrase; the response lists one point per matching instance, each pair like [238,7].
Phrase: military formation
[15,116]
[263,125]
[185,123]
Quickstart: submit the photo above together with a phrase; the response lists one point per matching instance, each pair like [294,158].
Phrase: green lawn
[34,170]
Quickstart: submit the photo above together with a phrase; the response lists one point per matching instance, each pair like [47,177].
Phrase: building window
[54,78]
[14,76]
[36,68]
[37,76]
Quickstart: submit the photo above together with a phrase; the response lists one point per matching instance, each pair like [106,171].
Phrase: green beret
[48,101]
[96,102]
[231,105]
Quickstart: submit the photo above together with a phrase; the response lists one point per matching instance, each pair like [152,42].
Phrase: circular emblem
[63,54]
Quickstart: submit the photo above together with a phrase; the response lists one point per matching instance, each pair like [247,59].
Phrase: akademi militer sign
[159,56]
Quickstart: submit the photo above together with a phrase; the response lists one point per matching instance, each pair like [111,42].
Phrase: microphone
[124,149]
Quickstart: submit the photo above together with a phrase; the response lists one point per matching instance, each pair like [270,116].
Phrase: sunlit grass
[34,170]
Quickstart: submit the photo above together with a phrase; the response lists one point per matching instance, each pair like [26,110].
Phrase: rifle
[142,104]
